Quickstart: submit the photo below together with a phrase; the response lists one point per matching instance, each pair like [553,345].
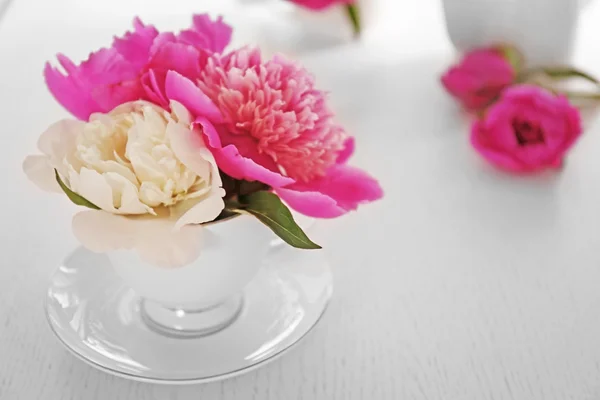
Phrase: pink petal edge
[346,153]
[343,189]
[311,204]
[69,93]
[496,158]
[234,164]
[183,90]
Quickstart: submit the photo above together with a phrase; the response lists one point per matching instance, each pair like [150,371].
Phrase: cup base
[190,323]
[104,323]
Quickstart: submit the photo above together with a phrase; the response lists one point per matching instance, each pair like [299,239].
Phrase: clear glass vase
[241,303]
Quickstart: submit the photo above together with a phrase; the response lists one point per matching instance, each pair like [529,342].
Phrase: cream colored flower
[149,172]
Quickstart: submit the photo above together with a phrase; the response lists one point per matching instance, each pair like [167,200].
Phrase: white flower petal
[125,195]
[122,109]
[181,114]
[101,231]
[39,170]
[206,210]
[145,167]
[199,190]
[104,119]
[114,167]
[153,238]
[163,246]
[96,189]
[60,138]
[152,195]
[189,147]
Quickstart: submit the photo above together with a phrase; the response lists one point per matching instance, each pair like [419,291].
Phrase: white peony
[149,172]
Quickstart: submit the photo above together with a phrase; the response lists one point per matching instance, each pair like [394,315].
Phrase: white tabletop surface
[462,284]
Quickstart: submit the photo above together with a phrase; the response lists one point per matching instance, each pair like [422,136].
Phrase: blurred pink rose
[265,121]
[529,129]
[479,78]
[321,4]
[135,66]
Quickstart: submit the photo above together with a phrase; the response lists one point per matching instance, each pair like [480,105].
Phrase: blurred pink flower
[135,66]
[267,122]
[479,78]
[321,4]
[529,129]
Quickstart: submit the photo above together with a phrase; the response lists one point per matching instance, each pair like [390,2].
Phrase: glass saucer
[97,317]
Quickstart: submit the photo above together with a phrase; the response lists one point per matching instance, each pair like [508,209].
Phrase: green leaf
[354,15]
[74,197]
[269,210]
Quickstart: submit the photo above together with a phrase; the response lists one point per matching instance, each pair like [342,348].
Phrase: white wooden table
[463,284]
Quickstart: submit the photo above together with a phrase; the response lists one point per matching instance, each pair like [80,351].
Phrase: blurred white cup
[544,30]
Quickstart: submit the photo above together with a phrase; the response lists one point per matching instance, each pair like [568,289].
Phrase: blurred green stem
[557,73]
[354,15]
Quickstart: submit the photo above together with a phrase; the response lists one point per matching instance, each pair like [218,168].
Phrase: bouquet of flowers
[526,118]
[172,132]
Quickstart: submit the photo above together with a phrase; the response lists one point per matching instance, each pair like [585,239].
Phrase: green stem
[558,73]
[582,96]
[572,95]
[233,204]
[354,15]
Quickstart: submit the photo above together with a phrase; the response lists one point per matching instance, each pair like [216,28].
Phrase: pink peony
[529,129]
[479,78]
[266,121]
[135,66]
[321,4]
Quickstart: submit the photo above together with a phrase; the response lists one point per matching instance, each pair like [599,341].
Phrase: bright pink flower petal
[99,84]
[558,163]
[105,67]
[347,186]
[234,164]
[110,79]
[206,34]
[573,122]
[347,151]
[499,120]
[111,96]
[176,57]
[321,4]
[529,129]
[183,90]
[153,83]
[479,78]
[70,93]
[501,159]
[135,46]
[218,31]
[312,204]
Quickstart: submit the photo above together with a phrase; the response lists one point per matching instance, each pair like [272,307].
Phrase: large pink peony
[134,68]
[266,121]
[321,4]
[529,129]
